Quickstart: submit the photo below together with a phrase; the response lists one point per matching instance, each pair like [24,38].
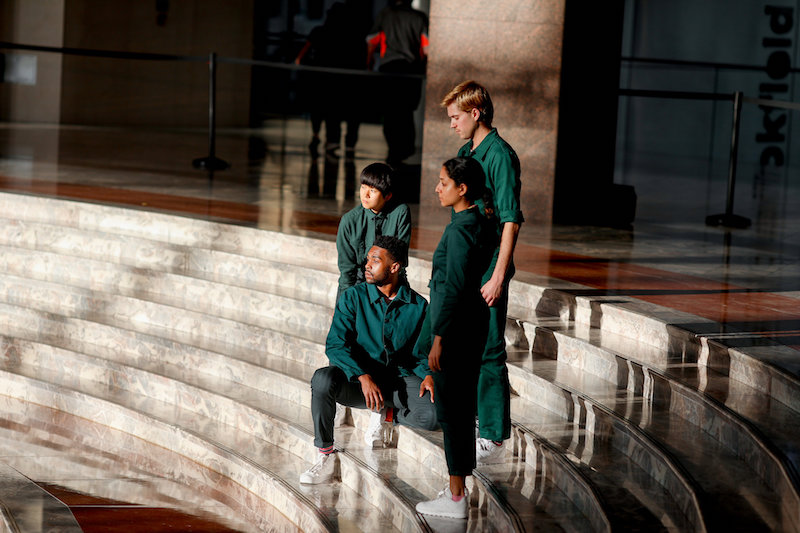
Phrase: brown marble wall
[513,47]
[162,93]
[35,22]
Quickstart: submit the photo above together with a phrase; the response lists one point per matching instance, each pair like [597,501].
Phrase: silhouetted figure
[338,43]
[400,35]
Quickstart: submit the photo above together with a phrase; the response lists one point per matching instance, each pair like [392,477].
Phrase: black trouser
[400,99]
[330,386]
[456,388]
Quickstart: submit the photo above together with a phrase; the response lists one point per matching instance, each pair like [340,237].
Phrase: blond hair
[469,95]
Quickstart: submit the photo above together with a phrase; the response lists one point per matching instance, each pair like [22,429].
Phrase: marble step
[512,496]
[771,369]
[410,478]
[763,433]
[50,293]
[288,388]
[299,276]
[70,254]
[19,496]
[241,298]
[164,356]
[178,325]
[553,502]
[183,238]
[188,295]
[730,486]
[637,488]
[238,256]
[85,457]
[245,481]
[253,454]
[83,334]
[169,229]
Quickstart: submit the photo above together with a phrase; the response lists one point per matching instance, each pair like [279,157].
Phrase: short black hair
[378,175]
[396,248]
[468,171]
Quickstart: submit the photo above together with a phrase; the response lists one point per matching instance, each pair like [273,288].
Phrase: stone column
[513,47]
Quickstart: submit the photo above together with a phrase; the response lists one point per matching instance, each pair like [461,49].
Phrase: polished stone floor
[745,281]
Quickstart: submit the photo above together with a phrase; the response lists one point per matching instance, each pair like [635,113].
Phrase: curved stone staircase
[191,343]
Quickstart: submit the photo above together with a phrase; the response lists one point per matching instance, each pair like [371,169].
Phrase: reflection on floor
[742,285]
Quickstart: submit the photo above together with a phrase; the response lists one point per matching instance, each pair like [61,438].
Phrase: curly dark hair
[396,248]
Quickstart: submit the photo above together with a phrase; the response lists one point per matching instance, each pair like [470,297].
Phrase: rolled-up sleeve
[503,170]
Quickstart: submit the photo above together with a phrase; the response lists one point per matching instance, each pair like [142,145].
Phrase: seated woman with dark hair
[455,328]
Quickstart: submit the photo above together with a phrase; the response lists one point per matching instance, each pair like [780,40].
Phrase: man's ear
[387,197]
[476,114]
[395,267]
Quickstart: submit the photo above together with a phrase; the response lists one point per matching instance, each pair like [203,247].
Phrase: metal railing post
[728,219]
[211,162]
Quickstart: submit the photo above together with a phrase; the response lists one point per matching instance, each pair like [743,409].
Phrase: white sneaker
[379,432]
[487,452]
[324,470]
[444,505]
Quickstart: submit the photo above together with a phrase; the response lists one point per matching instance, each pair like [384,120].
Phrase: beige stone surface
[514,49]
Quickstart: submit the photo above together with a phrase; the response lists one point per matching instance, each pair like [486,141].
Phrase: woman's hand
[435,355]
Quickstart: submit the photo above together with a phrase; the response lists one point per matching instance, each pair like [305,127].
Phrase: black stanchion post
[728,219]
[211,162]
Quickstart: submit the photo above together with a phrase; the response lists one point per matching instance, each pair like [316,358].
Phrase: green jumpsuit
[502,169]
[459,314]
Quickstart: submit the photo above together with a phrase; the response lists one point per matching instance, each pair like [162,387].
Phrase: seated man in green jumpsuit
[372,361]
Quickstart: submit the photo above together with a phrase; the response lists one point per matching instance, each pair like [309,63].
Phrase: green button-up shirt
[501,166]
[370,336]
[357,231]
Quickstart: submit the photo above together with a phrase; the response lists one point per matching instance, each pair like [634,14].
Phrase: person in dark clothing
[377,215]
[372,361]
[338,43]
[400,36]
[455,328]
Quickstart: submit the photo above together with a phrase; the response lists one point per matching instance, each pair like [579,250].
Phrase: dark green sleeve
[342,336]
[503,170]
[404,223]
[346,253]
[422,347]
[449,290]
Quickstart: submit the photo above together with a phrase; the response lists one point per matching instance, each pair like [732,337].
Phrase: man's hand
[372,393]
[435,355]
[492,291]
[427,385]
